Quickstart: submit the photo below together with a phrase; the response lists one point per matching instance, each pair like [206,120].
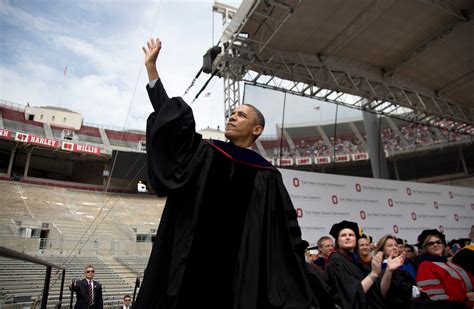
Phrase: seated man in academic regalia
[220,195]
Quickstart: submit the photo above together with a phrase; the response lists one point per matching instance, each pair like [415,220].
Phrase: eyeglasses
[90,271]
[432,243]
[127,299]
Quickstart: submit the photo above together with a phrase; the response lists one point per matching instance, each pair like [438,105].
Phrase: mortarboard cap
[401,241]
[336,228]
[426,233]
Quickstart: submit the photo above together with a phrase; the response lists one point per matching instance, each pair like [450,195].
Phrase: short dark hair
[89,266]
[259,119]
[127,296]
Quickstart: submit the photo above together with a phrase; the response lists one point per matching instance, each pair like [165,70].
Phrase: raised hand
[152,50]
[394,262]
[377,263]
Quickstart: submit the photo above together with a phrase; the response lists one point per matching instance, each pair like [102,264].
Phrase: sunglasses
[90,271]
[127,299]
[432,243]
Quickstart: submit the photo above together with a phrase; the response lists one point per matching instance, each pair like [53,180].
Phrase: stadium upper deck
[18,126]
[306,144]
[302,144]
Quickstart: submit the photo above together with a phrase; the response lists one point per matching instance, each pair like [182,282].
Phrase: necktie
[91,293]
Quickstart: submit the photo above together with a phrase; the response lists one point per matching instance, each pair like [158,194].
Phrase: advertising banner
[380,207]
[88,149]
[43,141]
[6,134]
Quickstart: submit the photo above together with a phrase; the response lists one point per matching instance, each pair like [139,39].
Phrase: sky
[87,56]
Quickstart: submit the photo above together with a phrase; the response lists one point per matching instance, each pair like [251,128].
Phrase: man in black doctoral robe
[228,236]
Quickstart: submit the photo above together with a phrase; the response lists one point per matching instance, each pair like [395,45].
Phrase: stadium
[76,193]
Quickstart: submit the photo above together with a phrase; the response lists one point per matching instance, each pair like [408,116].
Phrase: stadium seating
[22,282]
[124,139]
[136,263]
[73,224]
[309,142]
[83,227]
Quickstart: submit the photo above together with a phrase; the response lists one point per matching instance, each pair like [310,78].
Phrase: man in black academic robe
[228,236]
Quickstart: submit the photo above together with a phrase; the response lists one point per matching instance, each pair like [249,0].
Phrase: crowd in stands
[357,272]
[318,147]
[410,136]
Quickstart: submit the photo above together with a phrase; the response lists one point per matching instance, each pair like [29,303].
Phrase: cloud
[18,16]
[100,42]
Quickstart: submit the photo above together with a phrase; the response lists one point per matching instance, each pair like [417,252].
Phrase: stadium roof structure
[408,59]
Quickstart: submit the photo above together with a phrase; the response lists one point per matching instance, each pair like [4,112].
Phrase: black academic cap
[305,244]
[336,228]
[401,241]
[426,233]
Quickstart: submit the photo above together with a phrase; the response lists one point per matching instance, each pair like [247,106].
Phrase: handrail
[12,254]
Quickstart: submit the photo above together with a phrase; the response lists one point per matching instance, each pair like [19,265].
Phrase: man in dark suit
[88,291]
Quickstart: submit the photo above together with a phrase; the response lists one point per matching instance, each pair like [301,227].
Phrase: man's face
[326,247]
[409,253]
[241,124]
[126,301]
[89,273]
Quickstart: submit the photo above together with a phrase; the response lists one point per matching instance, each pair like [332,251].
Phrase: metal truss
[277,14]
[404,104]
[330,78]
[231,95]
[343,82]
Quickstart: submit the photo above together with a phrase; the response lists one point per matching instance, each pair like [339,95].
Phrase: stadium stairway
[119,268]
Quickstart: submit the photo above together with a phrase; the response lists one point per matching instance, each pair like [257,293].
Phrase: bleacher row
[73,228]
[51,204]
[15,120]
[21,283]
[318,140]
[300,141]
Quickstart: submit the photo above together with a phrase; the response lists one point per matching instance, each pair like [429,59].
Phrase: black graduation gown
[344,279]
[399,294]
[228,236]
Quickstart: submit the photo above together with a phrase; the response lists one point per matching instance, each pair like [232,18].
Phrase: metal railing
[64,245]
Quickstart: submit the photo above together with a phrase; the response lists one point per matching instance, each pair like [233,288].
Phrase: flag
[65,70]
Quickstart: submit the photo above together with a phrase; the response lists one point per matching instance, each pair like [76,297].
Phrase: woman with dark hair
[440,279]
[351,284]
